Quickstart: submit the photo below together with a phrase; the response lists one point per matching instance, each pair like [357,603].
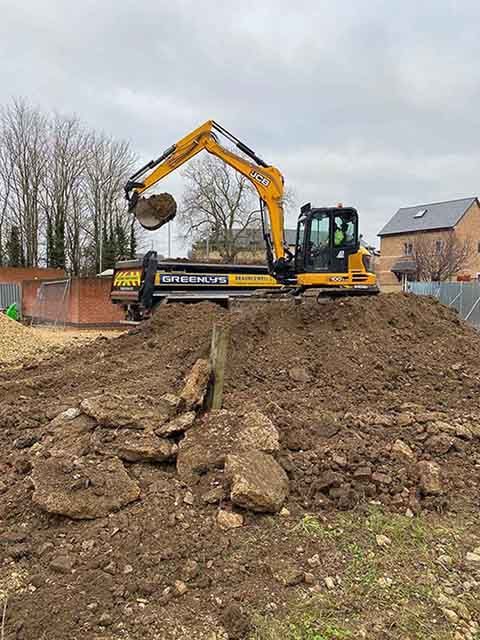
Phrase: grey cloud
[370,103]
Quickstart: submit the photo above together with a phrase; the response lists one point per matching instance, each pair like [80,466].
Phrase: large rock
[430,480]
[179,424]
[402,451]
[65,416]
[127,411]
[206,445]
[257,481]
[134,446]
[196,383]
[258,432]
[439,444]
[68,436]
[82,488]
[220,433]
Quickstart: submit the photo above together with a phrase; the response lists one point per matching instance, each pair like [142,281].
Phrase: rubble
[133,446]
[257,432]
[193,393]
[402,451]
[179,424]
[82,488]
[62,564]
[257,481]
[430,482]
[207,509]
[219,433]
[229,520]
[123,411]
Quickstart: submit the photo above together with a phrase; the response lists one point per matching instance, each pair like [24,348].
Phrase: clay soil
[343,382]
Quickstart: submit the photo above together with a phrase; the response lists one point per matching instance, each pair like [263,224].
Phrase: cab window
[318,242]
[344,232]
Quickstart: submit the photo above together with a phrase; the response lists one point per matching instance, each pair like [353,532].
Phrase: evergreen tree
[121,241]
[14,249]
[59,243]
[109,248]
[50,244]
[133,241]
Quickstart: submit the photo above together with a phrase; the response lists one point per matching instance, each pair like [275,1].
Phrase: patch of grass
[311,631]
[382,591]
[400,529]
[310,525]
[301,626]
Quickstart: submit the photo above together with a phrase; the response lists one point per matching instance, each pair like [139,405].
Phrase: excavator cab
[328,252]
[326,237]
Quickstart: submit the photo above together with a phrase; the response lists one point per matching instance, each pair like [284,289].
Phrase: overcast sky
[375,104]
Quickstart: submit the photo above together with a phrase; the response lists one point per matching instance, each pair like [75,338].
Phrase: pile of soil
[25,345]
[18,342]
[373,400]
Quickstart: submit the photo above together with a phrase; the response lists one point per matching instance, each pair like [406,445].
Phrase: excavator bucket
[155,211]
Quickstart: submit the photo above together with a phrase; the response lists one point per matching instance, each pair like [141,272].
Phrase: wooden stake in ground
[218,358]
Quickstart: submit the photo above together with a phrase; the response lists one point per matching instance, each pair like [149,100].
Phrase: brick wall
[91,302]
[468,229]
[86,303]
[18,275]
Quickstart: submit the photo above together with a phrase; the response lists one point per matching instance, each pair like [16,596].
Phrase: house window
[438,246]
[408,248]
[478,247]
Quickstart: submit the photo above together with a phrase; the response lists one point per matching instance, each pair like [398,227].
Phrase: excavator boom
[267,180]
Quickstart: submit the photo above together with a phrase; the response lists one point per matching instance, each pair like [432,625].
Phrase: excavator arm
[267,180]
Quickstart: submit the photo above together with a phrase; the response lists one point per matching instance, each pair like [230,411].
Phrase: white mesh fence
[52,304]
[462,296]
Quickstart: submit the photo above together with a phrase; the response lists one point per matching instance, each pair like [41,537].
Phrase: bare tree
[68,156]
[61,196]
[440,258]
[24,138]
[110,163]
[219,204]
[6,173]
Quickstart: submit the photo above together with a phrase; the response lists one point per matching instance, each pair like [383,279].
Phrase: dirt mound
[24,345]
[18,342]
[359,401]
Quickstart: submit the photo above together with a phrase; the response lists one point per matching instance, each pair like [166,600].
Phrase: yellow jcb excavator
[328,256]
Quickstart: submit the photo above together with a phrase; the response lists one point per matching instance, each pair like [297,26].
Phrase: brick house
[435,222]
